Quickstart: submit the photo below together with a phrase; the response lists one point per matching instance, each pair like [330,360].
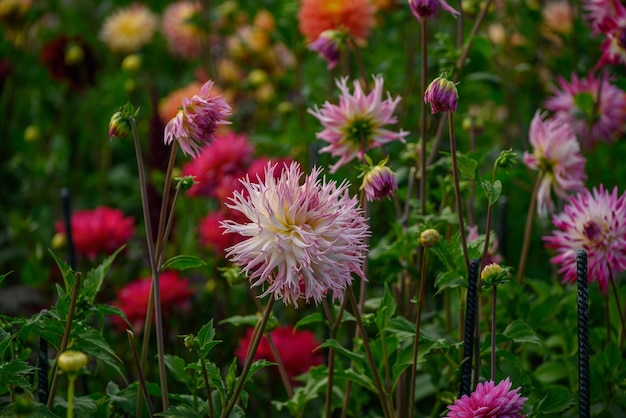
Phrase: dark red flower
[99,231]
[69,59]
[133,298]
[296,349]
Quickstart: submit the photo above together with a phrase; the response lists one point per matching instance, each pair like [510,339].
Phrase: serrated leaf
[520,332]
[126,399]
[5,340]
[91,342]
[180,411]
[183,262]
[176,366]
[386,309]
[314,318]
[334,344]
[66,272]
[449,280]
[16,373]
[206,337]
[84,406]
[467,166]
[557,399]
[95,277]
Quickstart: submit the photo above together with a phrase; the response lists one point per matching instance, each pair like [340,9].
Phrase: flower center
[360,130]
[592,230]
[545,165]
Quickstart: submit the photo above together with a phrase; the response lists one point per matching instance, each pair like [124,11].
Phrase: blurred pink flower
[609,18]
[358,118]
[328,45]
[425,8]
[493,257]
[213,236]
[197,119]
[576,103]
[255,171]
[489,401]
[595,223]
[133,298]
[600,13]
[296,349]
[228,156]
[302,240]
[556,154]
[99,231]
[183,35]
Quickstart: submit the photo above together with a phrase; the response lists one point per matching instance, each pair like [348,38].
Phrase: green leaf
[176,365]
[125,400]
[84,406]
[205,339]
[302,395]
[492,190]
[183,262]
[386,309]
[180,411]
[95,277]
[5,341]
[314,318]
[239,320]
[520,332]
[16,373]
[334,344]
[557,399]
[449,280]
[68,274]
[4,276]
[467,166]
[91,342]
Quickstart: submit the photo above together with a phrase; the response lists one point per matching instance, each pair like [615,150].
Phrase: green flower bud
[493,274]
[119,126]
[131,63]
[71,362]
[429,238]
[186,183]
[507,159]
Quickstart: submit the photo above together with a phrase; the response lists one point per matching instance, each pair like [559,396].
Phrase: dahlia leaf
[95,277]
[84,406]
[4,276]
[183,262]
[91,342]
[15,373]
[557,399]
[520,332]
[492,190]
[176,366]
[314,318]
[334,344]
[205,339]
[68,274]
[386,310]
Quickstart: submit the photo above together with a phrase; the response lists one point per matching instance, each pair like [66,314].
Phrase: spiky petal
[489,401]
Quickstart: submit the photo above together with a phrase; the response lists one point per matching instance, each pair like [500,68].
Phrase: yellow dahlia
[128,29]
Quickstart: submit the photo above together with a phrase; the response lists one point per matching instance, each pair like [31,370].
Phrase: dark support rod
[470,320]
[583,335]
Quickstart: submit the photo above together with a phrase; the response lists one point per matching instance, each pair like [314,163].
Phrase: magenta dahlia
[357,123]
[301,240]
[556,154]
[489,401]
[594,222]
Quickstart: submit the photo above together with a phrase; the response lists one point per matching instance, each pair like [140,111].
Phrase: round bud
[429,238]
[71,361]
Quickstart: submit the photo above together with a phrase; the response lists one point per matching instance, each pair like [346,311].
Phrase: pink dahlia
[99,231]
[489,401]
[556,154]
[295,348]
[596,223]
[600,13]
[212,235]
[133,298]
[197,119]
[229,155]
[302,240]
[356,124]
[576,103]
[184,36]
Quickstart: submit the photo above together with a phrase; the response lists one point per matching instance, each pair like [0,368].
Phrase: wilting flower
[556,154]
[354,16]
[130,28]
[328,45]
[132,299]
[228,156]
[303,240]
[596,223]
[296,349]
[577,104]
[379,182]
[356,124]
[442,95]
[422,9]
[184,36]
[170,104]
[99,231]
[489,401]
[196,121]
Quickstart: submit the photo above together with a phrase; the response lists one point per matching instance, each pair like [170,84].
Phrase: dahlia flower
[130,28]
[99,231]
[184,36]
[489,401]
[197,119]
[296,349]
[556,154]
[354,16]
[595,222]
[576,103]
[302,240]
[600,13]
[228,156]
[132,299]
[379,182]
[442,95]
[422,9]
[328,45]
[356,124]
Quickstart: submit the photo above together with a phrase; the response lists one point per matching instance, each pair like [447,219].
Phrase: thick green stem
[70,395]
[254,344]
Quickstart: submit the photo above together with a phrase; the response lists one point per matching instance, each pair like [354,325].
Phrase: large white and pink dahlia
[197,120]
[556,154]
[357,123]
[596,111]
[489,401]
[301,241]
[594,222]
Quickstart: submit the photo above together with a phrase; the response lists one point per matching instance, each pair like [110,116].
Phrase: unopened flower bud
[131,63]
[379,182]
[442,95]
[71,362]
[119,126]
[328,45]
[493,274]
[191,341]
[186,183]
[74,54]
[423,8]
[507,159]
[429,238]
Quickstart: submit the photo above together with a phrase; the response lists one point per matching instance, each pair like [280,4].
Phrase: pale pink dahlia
[356,124]
[595,223]
[556,154]
[302,240]
[576,103]
[180,28]
[196,121]
[489,401]
[130,28]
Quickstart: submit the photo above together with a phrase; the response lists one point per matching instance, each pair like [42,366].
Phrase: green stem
[457,188]
[416,340]
[70,395]
[66,338]
[493,333]
[521,268]
[205,376]
[254,344]
[153,266]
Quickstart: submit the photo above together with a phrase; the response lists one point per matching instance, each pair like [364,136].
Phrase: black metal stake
[470,320]
[583,335]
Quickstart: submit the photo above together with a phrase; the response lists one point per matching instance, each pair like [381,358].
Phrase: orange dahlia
[355,16]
